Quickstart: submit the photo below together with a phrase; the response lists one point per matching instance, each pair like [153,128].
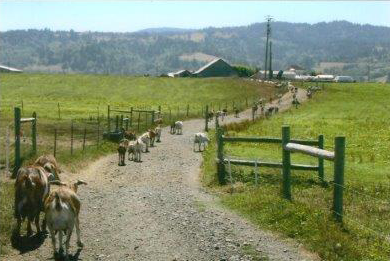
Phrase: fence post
[206,116]
[216,122]
[253,114]
[146,120]
[116,123]
[188,109]
[108,119]
[22,108]
[131,117]
[34,134]
[84,136]
[59,111]
[152,117]
[246,101]
[121,124]
[170,115]
[98,132]
[220,164]
[286,163]
[159,111]
[71,139]
[139,118]
[321,160]
[55,142]
[339,152]
[18,160]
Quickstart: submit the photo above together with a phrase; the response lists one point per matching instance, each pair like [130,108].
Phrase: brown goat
[31,189]
[49,163]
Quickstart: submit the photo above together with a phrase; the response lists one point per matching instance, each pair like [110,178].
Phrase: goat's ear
[81,182]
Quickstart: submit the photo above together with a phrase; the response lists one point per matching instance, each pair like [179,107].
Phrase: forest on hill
[353,49]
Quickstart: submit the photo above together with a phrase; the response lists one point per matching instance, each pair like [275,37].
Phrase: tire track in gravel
[157,210]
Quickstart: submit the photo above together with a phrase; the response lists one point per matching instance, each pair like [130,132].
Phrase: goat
[62,208]
[152,137]
[271,110]
[31,189]
[129,135]
[254,109]
[158,130]
[172,130]
[236,112]
[145,139]
[210,115]
[135,149]
[201,138]
[122,148]
[49,163]
[179,127]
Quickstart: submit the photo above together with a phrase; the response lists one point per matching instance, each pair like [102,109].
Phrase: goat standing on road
[179,127]
[201,138]
[62,209]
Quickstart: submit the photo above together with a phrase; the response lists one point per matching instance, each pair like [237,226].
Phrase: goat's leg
[29,230]
[77,222]
[53,240]
[37,223]
[18,226]
[61,249]
[67,242]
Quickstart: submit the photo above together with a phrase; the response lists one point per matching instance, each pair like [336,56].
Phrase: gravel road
[157,210]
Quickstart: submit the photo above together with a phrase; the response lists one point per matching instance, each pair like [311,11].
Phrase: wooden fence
[313,148]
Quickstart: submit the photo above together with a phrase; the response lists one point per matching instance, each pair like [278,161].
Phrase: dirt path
[157,210]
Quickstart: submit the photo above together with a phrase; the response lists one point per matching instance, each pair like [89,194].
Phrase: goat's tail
[58,201]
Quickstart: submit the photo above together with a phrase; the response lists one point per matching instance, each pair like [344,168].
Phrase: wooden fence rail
[288,146]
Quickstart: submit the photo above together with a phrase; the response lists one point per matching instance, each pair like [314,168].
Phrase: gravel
[157,210]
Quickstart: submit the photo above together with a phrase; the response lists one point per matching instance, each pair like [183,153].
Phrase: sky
[126,16]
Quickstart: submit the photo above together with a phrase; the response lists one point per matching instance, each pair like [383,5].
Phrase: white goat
[157,130]
[135,148]
[145,139]
[201,138]
[179,127]
[62,209]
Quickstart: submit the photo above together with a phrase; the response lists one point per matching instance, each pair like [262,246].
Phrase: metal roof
[208,65]
[9,68]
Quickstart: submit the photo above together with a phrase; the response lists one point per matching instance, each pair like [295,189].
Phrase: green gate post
[220,164]
[108,119]
[206,116]
[18,161]
[34,134]
[286,163]
[339,157]
[321,160]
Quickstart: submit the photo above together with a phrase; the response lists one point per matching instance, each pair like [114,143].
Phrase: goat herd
[134,145]
[34,194]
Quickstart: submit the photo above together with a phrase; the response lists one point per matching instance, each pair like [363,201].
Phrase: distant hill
[351,47]
[165,30]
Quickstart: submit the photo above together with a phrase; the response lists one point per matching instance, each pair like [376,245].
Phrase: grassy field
[360,112]
[83,97]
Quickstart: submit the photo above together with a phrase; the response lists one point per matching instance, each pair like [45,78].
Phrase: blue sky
[125,16]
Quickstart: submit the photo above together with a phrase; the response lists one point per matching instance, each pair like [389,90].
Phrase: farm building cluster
[221,68]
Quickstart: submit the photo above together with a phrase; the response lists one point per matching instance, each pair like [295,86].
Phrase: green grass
[83,97]
[6,215]
[360,112]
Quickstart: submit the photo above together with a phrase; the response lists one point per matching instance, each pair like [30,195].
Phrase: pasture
[83,100]
[358,111]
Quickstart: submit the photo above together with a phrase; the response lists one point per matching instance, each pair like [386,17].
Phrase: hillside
[160,50]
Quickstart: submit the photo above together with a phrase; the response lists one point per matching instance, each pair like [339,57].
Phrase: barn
[216,68]
[181,73]
[7,69]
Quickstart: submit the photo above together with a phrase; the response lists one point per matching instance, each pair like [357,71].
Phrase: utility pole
[270,60]
[268,18]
